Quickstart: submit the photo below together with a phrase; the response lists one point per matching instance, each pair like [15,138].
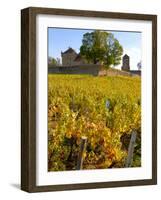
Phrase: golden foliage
[77,107]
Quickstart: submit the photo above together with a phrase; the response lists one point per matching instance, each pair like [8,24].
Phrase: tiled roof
[126,56]
[69,50]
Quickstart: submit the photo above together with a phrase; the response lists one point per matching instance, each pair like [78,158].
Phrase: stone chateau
[73,63]
[71,58]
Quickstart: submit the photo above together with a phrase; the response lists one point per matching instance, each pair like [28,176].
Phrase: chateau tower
[126,63]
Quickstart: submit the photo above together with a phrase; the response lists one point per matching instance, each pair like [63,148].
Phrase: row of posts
[83,144]
[82,150]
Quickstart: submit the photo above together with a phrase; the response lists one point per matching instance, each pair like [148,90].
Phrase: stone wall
[135,72]
[90,69]
[79,69]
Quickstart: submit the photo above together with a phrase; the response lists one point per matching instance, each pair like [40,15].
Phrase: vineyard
[104,109]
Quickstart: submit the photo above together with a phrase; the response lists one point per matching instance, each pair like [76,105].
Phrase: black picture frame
[28,98]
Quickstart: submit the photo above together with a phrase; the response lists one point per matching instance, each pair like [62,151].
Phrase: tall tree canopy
[102,47]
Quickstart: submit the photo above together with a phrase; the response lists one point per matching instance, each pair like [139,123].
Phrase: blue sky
[59,39]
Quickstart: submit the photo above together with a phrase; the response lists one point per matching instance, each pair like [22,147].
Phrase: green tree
[114,51]
[94,46]
[102,47]
[53,61]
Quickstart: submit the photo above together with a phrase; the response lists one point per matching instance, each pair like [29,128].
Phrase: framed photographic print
[88,99]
